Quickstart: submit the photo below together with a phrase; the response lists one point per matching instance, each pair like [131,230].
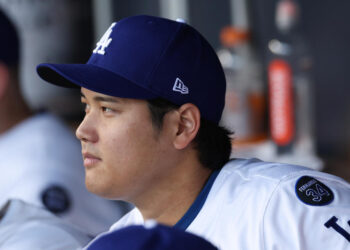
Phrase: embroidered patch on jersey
[313,192]
[56,199]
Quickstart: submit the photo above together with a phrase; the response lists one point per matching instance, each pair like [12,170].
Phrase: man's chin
[100,190]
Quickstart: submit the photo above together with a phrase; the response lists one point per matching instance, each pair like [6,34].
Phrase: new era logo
[179,86]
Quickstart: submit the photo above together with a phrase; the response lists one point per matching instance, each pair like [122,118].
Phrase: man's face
[123,154]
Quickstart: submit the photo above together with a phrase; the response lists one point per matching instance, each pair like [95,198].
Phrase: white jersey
[24,226]
[41,163]
[252,204]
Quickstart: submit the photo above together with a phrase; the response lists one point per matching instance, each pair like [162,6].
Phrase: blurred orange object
[231,36]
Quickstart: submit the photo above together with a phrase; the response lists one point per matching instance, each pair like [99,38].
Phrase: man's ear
[188,125]
[4,79]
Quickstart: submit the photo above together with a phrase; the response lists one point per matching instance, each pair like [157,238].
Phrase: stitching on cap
[163,52]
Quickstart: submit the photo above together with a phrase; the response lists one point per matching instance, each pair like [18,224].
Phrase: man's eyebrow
[105,99]
[101,98]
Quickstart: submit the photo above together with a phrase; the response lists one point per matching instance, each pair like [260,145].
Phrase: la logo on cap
[104,41]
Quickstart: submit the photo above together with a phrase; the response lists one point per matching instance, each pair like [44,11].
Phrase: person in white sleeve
[41,159]
[25,226]
[154,92]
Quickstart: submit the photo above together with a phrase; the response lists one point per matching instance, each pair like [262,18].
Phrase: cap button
[149,224]
[180,20]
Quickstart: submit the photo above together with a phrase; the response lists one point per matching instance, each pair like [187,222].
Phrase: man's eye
[106,110]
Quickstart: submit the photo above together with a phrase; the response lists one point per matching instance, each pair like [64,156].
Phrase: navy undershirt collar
[197,205]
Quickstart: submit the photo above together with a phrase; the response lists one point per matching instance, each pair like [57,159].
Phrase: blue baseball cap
[146,57]
[9,42]
[157,237]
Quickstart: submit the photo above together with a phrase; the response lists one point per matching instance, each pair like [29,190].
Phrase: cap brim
[93,78]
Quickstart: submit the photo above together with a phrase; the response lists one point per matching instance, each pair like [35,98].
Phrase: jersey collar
[197,205]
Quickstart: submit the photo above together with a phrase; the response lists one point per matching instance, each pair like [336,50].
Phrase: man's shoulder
[251,202]
[255,168]
[260,180]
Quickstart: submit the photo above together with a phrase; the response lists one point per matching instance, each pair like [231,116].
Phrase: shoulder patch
[313,192]
[56,199]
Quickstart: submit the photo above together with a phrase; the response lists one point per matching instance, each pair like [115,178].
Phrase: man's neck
[175,195]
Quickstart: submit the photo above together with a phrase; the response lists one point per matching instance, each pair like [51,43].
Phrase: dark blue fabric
[158,237]
[197,205]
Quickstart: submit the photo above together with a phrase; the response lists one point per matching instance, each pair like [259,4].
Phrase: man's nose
[87,131]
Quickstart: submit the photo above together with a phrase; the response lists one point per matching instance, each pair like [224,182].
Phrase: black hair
[212,142]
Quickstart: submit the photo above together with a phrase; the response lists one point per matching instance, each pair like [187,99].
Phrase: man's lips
[90,159]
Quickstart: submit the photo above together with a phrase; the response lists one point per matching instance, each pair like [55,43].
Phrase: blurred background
[285,62]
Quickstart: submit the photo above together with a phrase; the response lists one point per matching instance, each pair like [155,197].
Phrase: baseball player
[154,92]
[40,157]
